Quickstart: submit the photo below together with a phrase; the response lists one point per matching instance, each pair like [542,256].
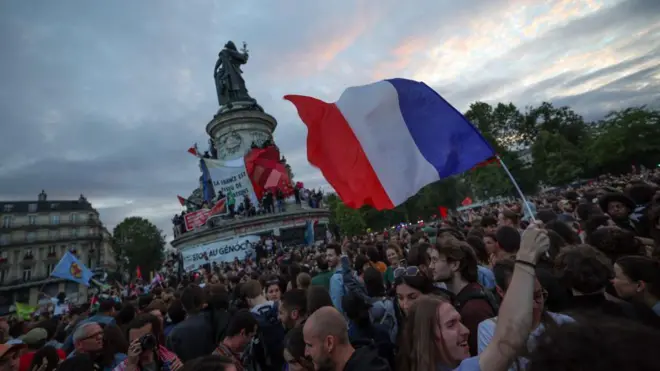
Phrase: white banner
[218,251]
[232,178]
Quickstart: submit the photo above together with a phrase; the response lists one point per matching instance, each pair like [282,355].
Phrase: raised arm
[514,322]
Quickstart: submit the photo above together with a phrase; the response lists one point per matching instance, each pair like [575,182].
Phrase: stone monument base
[235,130]
[289,226]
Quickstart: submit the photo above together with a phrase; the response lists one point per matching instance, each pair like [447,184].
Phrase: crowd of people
[272,201]
[577,287]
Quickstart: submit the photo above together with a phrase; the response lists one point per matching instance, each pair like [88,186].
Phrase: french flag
[379,144]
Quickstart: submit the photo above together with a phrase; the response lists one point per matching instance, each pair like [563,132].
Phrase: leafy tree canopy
[138,242]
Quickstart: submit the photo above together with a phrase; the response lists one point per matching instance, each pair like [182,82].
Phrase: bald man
[326,337]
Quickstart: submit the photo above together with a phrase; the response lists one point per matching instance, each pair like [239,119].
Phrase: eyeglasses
[410,271]
[92,336]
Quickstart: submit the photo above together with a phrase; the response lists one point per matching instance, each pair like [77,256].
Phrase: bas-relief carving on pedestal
[237,143]
[230,145]
[259,137]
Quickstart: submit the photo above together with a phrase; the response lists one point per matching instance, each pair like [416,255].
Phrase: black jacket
[366,359]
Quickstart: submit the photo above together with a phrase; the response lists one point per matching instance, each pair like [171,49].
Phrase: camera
[147,342]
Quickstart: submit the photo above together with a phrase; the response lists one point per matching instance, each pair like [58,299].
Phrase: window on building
[27,274]
[8,208]
[31,236]
[32,219]
[3,275]
[54,219]
[28,252]
[54,234]
[6,221]
[54,206]
[50,268]
[73,218]
[89,262]
[32,208]
[52,249]
[4,239]
[74,232]
[73,247]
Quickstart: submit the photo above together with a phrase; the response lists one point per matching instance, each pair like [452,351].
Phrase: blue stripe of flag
[445,138]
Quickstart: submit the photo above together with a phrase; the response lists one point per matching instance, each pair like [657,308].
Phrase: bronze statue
[229,83]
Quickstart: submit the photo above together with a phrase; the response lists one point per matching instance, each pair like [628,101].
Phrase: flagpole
[515,184]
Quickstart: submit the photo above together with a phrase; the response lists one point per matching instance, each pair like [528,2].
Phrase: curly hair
[583,268]
[615,242]
[600,343]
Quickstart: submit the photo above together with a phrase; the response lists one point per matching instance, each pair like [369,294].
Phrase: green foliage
[349,221]
[138,242]
[563,148]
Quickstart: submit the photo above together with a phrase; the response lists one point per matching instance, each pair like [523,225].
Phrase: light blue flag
[309,233]
[70,268]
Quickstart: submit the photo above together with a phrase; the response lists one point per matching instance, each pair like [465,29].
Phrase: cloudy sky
[104,97]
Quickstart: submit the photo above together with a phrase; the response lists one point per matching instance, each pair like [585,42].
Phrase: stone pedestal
[234,131]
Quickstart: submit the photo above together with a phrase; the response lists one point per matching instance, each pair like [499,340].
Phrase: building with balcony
[34,235]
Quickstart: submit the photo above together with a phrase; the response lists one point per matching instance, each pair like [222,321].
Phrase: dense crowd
[577,287]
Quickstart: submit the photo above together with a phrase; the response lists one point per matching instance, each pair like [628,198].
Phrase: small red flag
[182,200]
[443,212]
[138,272]
[490,161]
[193,151]
[467,201]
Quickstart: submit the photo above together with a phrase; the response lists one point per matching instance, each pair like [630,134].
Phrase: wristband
[524,262]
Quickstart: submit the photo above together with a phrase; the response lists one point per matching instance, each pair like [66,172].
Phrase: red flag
[443,211]
[265,170]
[138,272]
[490,161]
[182,200]
[193,151]
[220,207]
[467,201]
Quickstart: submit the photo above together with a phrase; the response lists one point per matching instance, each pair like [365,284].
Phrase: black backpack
[472,293]
[265,350]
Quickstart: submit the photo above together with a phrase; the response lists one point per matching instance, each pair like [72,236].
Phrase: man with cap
[9,356]
[35,339]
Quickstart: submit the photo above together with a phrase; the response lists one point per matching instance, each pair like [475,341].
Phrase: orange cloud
[436,57]
[343,33]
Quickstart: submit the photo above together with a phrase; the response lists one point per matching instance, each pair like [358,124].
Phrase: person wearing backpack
[362,332]
[265,352]
[455,263]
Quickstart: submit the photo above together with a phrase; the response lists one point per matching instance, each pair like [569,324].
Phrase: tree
[624,138]
[349,221]
[557,160]
[138,242]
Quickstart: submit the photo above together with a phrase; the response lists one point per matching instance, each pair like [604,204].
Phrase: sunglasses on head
[410,271]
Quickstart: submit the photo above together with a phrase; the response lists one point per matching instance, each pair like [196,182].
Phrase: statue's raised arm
[229,82]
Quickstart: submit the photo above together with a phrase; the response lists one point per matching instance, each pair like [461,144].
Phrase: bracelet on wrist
[526,263]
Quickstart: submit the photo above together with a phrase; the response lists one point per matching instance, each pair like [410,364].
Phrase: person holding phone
[145,353]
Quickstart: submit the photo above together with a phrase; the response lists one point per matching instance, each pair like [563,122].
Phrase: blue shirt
[468,364]
[337,289]
[486,331]
[656,308]
[486,277]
